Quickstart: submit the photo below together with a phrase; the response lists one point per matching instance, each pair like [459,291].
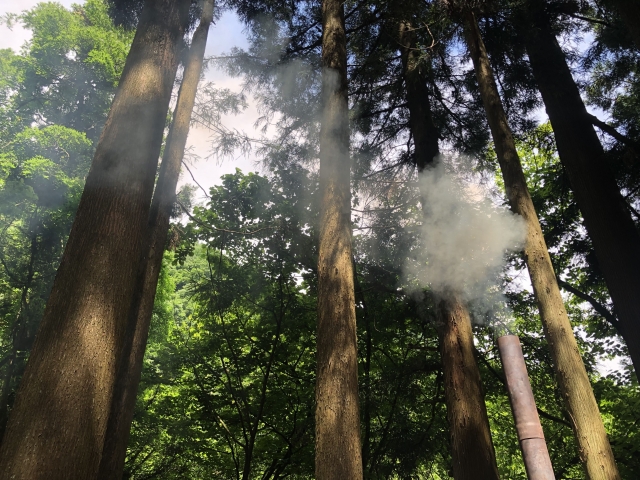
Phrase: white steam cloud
[464,238]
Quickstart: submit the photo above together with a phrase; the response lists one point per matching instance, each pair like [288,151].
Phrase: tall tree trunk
[608,221]
[471,445]
[5,391]
[629,11]
[338,449]
[20,334]
[58,423]
[571,374]
[423,129]
[124,398]
[368,342]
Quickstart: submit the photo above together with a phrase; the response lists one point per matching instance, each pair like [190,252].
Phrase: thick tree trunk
[338,449]
[58,423]
[570,371]
[124,399]
[471,445]
[615,238]
[629,11]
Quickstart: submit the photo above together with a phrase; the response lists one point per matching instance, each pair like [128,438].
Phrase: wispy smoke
[464,239]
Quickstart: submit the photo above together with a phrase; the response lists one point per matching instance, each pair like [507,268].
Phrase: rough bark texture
[571,374]
[471,445]
[607,219]
[124,398]
[338,449]
[58,423]
[472,450]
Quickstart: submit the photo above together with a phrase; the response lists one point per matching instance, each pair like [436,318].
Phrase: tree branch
[184,164]
[608,129]
[597,306]
[591,20]
[209,227]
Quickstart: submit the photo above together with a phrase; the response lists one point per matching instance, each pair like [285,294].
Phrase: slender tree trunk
[6,390]
[124,398]
[366,415]
[615,237]
[425,133]
[471,445]
[20,332]
[255,425]
[57,426]
[338,449]
[571,374]
[629,11]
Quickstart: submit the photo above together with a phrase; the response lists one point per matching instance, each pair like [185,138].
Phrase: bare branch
[597,306]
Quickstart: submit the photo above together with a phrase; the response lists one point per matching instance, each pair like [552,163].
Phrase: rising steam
[464,239]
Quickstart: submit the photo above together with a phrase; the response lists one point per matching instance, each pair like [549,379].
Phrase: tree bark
[472,449]
[615,237]
[471,446]
[366,415]
[6,389]
[57,426]
[571,374]
[338,449]
[423,129]
[124,399]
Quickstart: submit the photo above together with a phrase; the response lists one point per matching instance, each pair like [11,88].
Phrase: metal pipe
[532,443]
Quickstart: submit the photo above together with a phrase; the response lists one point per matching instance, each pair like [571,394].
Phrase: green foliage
[41,177]
[54,97]
[228,383]
[229,392]
[576,265]
[68,71]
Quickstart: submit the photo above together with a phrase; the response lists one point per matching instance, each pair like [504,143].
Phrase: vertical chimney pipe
[532,443]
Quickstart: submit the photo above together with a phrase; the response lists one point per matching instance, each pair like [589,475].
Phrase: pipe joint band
[527,430]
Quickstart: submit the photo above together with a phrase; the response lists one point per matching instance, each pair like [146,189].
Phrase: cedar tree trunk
[57,426]
[124,399]
[5,391]
[571,374]
[607,219]
[338,449]
[472,449]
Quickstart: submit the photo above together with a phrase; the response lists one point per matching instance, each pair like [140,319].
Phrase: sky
[226,34]
[223,36]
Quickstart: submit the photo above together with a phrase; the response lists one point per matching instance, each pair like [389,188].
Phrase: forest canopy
[430,176]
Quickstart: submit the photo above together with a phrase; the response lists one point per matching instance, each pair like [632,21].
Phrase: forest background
[227,389]
[227,33]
